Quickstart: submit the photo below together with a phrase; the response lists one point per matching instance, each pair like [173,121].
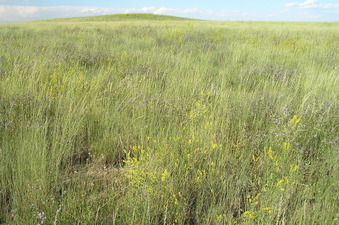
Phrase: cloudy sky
[269,10]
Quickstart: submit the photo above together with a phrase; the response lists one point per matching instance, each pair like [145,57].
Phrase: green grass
[157,120]
[124,17]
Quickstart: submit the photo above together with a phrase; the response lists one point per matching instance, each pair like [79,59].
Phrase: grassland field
[145,119]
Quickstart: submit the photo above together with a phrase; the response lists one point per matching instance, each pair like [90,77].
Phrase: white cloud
[312,4]
[142,10]
[164,10]
[292,4]
[192,10]
[14,13]
[308,3]
[94,10]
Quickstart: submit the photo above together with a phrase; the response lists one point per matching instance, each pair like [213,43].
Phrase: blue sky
[270,10]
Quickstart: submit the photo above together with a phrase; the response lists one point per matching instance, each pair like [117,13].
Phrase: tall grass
[166,122]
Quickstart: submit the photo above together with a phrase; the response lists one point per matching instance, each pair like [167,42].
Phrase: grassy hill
[123,17]
[151,121]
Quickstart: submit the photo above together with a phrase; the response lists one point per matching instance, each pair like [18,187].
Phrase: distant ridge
[121,17]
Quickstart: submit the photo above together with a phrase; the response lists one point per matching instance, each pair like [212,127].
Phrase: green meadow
[144,119]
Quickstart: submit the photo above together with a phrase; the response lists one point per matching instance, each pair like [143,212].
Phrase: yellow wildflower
[287,145]
[164,175]
[295,120]
[250,214]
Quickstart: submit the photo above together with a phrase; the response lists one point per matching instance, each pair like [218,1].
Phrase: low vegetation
[162,120]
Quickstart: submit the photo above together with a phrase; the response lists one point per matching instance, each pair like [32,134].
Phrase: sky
[226,10]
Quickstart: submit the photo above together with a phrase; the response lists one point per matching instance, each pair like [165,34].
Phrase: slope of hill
[123,17]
